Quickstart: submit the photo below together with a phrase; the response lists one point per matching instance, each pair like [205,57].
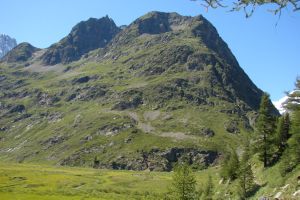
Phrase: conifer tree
[283,128]
[230,167]
[184,184]
[291,157]
[294,107]
[265,128]
[246,177]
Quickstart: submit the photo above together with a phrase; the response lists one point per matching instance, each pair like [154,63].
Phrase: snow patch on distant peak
[279,104]
[6,44]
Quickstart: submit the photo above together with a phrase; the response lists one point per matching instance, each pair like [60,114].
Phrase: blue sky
[268,53]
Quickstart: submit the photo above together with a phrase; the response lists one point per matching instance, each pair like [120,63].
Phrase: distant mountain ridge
[281,104]
[21,53]
[6,44]
[163,89]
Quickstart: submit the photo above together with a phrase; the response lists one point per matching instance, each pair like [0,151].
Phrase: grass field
[18,182]
[42,182]
[27,181]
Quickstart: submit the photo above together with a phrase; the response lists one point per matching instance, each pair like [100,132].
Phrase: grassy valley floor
[41,182]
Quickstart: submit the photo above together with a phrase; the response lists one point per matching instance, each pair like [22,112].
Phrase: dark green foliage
[208,190]
[246,177]
[265,128]
[282,133]
[291,157]
[286,164]
[184,184]
[230,166]
[96,162]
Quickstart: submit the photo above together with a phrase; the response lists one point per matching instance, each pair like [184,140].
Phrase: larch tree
[283,132]
[246,177]
[265,128]
[184,184]
[294,141]
[230,166]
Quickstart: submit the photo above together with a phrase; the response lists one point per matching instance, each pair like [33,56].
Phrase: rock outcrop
[21,53]
[84,37]
[6,44]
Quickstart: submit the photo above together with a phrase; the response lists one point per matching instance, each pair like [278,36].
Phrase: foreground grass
[20,181]
[42,182]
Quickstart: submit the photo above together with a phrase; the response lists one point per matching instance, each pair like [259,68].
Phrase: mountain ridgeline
[6,44]
[84,37]
[165,88]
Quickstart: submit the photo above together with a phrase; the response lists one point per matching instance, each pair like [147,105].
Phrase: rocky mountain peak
[84,37]
[147,98]
[159,22]
[20,53]
[6,44]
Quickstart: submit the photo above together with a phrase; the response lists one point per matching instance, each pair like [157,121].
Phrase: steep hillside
[165,88]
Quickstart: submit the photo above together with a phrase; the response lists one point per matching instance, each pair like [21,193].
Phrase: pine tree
[184,184]
[282,133]
[265,128]
[291,157]
[294,107]
[230,167]
[246,177]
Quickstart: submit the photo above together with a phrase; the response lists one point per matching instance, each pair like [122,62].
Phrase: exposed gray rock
[232,127]
[17,108]
[54,117]
[154,160]
[6,44]
[46,99]
[83,79]
[157,160]
[50,142]
[21,53]
[130,99]
[207,132]
[84,37]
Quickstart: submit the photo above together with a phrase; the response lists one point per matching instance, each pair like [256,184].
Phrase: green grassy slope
[24,181]
[130,104]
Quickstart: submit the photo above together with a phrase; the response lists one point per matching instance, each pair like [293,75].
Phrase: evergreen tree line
[276,140]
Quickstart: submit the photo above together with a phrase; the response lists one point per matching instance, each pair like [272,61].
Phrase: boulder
[17,108]
[83,79]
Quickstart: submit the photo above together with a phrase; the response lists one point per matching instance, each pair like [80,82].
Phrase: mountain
[21,53]
[282,103]
[165,88]
[6,44]
[84,37]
